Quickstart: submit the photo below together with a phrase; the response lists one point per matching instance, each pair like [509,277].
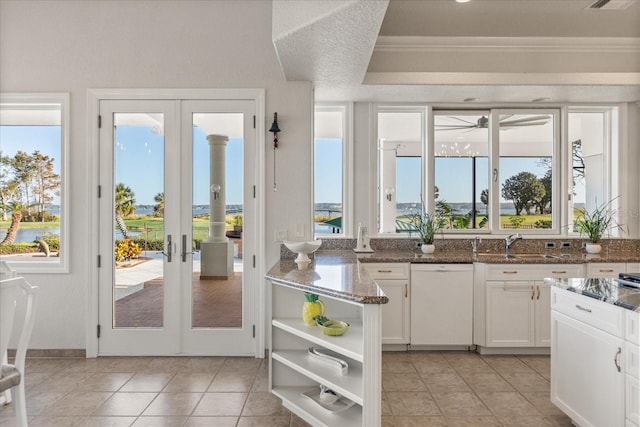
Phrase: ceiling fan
[483,122]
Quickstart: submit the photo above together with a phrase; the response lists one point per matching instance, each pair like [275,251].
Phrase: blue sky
[46,139]
[139,165]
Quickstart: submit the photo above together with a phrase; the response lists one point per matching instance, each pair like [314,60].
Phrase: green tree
[125,205]
[47,183]
[24,169]
[9,187]
[524,190]
[158,208]
[16,209]
[544,204]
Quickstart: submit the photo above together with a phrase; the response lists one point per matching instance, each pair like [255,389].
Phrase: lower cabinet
[599,269]
[512,304]
[587,363]
[393,279]
[442,304]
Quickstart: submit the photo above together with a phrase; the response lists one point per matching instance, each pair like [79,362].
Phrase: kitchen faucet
[475,244]
[509,241]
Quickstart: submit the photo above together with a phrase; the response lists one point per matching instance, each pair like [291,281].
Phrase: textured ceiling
[510,51]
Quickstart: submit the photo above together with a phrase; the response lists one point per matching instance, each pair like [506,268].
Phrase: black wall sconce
[275,129]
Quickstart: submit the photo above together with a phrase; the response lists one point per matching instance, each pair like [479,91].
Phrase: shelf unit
[293,372]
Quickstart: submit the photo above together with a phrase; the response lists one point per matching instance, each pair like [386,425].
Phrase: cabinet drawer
[598,314]
[632,360]
[386,271]
[632,326]
[598,269]
[532,271]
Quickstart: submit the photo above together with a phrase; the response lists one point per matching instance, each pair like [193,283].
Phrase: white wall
[71,46]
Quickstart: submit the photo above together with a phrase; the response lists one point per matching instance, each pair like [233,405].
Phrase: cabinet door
[542,309]
[395,313]
[442,307]
[585,381]
[510,314]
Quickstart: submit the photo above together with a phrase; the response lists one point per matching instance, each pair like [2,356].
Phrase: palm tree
[16,209]
[158,208]
[125,205]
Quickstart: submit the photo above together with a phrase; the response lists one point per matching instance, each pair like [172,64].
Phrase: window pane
[328,172]
[526,144]
[31,206]
[461,147]
[400,167]
[587,139]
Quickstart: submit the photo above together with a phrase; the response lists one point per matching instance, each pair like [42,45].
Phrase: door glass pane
[139,220]
[217,220]
[526,144]
[461,148]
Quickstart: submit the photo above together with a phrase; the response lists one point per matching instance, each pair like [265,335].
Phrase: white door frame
[94,96]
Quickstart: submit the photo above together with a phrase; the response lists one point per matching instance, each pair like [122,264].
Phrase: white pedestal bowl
[303,249]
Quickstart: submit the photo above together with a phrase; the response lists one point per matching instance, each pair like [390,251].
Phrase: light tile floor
[419,389]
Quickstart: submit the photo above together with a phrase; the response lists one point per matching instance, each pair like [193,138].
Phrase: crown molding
[508,44]
[473,78]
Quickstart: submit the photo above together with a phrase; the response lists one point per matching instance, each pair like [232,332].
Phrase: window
[590,139]
[33,226]
[461,168]
[400,142]
[493,170]
[332,172]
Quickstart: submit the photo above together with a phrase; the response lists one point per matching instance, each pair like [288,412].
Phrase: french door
[177,232]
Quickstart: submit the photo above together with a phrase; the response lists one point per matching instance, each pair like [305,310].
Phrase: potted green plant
[427,225]
[594,225]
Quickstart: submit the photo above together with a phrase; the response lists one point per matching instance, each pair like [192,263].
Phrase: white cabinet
[587,359]
[442,304]
[393,279]
[294,372]
[600,269]
[632,368]
[512,305]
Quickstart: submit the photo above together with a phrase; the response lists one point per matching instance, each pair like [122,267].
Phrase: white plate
[338,406]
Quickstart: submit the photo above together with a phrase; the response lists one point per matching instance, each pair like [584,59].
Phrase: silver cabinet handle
[616,358]
[582,308]
[559,271]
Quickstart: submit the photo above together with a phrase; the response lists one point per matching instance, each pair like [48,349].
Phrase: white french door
[177,227]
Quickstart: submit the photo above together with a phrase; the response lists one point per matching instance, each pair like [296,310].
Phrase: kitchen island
[595,351]
[295,373]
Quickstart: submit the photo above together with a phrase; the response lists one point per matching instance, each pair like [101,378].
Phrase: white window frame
[346,108]
[612,145]
[58,264]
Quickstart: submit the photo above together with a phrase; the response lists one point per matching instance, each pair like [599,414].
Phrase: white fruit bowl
[303,249]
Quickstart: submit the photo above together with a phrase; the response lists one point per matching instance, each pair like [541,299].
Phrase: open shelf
[349,344]
[349,385]
[314,414]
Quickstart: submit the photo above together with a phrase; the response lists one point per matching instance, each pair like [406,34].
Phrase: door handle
[169,247]
[616,358]
[538,292]
[184,252]
[495,175]
[406,290]
[533,292]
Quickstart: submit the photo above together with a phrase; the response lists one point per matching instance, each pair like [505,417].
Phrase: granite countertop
[332,273]
[611,291]
[467,257]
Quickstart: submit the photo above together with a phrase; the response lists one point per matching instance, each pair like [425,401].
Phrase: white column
[216,256]
[217,204]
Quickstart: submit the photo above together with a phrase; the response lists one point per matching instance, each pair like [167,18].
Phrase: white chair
[6,272]
[18,300]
